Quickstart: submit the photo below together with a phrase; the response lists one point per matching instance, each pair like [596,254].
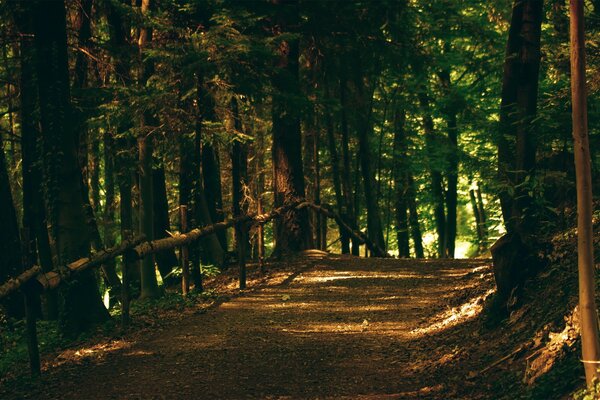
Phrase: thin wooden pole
[185,266]
[585,245]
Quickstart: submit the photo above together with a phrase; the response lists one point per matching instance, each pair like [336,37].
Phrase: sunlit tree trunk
[585,207]
[435,167]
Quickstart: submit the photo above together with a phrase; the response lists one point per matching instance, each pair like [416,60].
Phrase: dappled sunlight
[454,316]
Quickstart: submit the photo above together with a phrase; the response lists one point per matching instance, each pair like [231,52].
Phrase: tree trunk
[211,168]
[437,184]
[82,306]
[337,186]
[585,207]
[516,140]
[350,213]
[401,182]
[239,177]
[450,111]
[211,250]
[364,93]
[149,285]
[474,206]
[292,233]
[166,260]
[413,218]
[34,209]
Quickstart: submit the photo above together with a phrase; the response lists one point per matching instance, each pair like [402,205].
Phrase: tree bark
[364,93]
[82,306]
[450,112]
[401,182]
[585,207]
[292,233]
[437,184]
[516,140]
[167,260]
[350,213]
[239,177]
[413,218]
[149,285]
[335,172]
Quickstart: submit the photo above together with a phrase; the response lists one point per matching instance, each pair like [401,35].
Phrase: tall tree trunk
[350,213]
[82,305]
[292,232]
[364,127]
[337,186]
[34,208]
[585,207]
[450,111]
[239,177]
[211,166]
[149,284]
[401,182]
[516,140]
[437,184]
[166,260]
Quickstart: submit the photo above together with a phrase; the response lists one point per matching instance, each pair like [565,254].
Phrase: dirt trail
[344,328]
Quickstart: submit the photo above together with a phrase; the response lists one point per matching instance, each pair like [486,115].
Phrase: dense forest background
[434,127]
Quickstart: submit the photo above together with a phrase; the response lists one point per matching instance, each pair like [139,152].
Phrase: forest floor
[324,327]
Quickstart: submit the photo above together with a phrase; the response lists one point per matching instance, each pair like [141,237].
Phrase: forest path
[342,328]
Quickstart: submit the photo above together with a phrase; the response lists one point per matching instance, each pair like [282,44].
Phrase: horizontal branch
[15,283]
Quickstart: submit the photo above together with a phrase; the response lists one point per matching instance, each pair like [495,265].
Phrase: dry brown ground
[343,328]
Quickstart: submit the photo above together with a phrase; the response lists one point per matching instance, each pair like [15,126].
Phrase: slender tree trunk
[474,206]
[482,215]
[82,303]
[211,249]
[401,182]
[365,131]
[413,218]
[437,184]
[337,186]
[350,213]
[239,176]
[585,207]
[165,260]
[149,284]
[450,111]
[292,232]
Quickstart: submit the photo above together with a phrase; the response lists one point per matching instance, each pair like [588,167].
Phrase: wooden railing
[34,281]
